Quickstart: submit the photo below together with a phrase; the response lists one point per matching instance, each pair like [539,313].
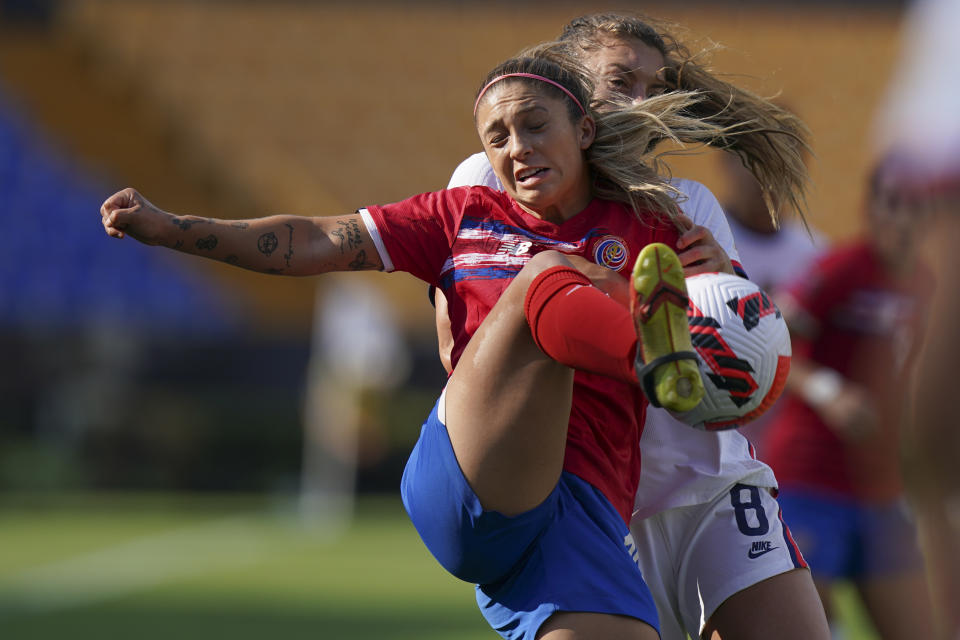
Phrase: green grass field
[161,567]
[173,567]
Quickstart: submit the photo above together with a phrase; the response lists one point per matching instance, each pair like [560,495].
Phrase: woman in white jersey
[710,540]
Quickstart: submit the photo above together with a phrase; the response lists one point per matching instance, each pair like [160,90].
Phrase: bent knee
[537,265]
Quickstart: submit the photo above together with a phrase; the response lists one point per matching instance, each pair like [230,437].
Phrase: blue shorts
[843,538]
[573,552]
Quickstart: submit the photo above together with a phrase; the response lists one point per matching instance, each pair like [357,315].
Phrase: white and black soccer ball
[743,350]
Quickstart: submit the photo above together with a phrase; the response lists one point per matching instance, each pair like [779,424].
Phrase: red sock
[579,325]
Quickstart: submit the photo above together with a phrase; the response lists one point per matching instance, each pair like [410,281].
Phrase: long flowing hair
[622,160]
[770,141]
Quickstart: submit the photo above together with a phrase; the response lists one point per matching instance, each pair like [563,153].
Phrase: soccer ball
[743,350]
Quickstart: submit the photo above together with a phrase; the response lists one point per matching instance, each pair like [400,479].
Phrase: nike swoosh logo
[756,554]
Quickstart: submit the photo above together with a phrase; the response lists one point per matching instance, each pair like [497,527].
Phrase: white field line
[133,566]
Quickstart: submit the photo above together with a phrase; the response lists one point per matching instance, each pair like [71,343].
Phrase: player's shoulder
[852,255]
[694,191]
[690,188]
[802,243]
[475,170]
[479,200]
[697,201]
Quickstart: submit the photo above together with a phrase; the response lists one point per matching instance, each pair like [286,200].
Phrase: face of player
[894,226]
[536,150]
[626,66]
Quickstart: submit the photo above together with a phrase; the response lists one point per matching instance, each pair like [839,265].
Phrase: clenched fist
[127,213]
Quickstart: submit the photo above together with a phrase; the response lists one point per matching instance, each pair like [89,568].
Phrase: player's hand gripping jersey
[470,242]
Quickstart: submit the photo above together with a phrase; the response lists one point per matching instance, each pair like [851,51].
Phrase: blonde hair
[621,159]
[769,140]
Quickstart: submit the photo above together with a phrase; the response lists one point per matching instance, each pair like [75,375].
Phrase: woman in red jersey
[523,478]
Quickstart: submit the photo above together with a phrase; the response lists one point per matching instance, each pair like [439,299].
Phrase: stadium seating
[308,108]
[59,270]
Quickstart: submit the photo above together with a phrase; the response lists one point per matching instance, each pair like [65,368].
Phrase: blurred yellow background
[245,108]
[114,379]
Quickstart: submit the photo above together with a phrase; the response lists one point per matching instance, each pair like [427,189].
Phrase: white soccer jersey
[682,466]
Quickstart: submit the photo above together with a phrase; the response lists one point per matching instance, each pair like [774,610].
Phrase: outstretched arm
[281,244]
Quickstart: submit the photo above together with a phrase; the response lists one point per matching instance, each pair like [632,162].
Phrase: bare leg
[933,439]
[899,606]
[785,607]
[825,592]
[939,538]
[508,405]
[589,626]
[507,411]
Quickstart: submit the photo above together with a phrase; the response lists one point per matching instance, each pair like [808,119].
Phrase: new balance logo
[514,247]
[757,549]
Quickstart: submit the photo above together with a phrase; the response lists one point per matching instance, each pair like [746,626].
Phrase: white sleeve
[377,240]
[475,171]
[702,207]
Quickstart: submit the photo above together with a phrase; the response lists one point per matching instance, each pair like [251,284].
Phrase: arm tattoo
[267,243]
[231,259]
[289,253]
[349,234]
[185,224]
[360,263]
[207,244]
[240,225]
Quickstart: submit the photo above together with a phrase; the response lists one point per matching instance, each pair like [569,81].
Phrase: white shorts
[694,558]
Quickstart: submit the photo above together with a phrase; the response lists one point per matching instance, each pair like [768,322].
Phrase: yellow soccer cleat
[666,362]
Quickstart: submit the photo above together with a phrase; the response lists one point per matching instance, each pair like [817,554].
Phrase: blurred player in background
[771,253]
[856,319]
[693,539]
[920,123]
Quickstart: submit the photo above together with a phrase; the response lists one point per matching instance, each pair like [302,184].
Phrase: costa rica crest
[610,252]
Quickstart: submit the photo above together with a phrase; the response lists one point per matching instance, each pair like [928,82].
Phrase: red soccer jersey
[471,241]
[868,328]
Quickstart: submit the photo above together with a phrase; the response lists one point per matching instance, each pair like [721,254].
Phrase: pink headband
[527,75]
